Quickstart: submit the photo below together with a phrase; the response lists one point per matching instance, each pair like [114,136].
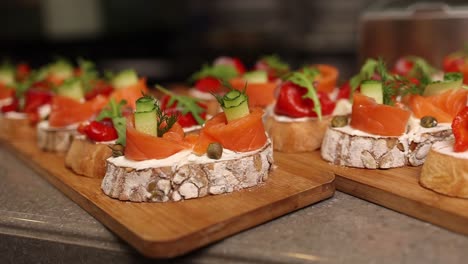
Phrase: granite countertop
[39,224]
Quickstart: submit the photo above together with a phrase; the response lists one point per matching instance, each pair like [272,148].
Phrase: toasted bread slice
[187,180]
[54,139]
[300,136]
[445,172]
[87,158]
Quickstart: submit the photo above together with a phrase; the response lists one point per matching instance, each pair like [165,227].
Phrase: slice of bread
[445,172]
[301,136]
[188,180]
[87,158]
[16,128]
[349,147]
[54,139]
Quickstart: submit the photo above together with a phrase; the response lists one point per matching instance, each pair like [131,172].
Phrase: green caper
[214,151]
[428,121]
[117,150]
[339,121]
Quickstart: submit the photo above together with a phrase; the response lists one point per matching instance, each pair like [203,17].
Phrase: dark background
[168,40]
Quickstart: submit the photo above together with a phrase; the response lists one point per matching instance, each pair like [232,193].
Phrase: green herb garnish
[274,62]
[185,103]
[113,110]
[303,79]
[223,72]
[235,103]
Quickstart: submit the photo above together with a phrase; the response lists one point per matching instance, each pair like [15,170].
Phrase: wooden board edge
[241,223]
[402,205]
[170,249]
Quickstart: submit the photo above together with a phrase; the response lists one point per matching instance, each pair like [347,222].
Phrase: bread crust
[192,180]
[55,140]
[445,174]
[379,152]
[301,136]
[344,149]
[87,158]
[16,128]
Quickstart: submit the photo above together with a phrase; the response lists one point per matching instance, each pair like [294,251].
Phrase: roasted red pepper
[403,66]
[35,98]
[187,120]
[99,87]
[236,62]
[13,106]
[99,131]
[22,71]
[209,85]
[290,102]
[460,130]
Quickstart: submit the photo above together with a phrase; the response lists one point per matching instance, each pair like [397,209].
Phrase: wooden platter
[163,230]
[398,189]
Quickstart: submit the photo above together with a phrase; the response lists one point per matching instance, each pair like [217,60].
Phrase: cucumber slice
[7,76]
[235,105]
[256,77]
[124,79]
[373,89]
[146,120]
[61,69]
[453,80]
[72,88]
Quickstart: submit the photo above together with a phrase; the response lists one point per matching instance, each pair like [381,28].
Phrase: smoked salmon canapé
[446,168]
[382,132]
[98,140]
[302,112]
[159,163]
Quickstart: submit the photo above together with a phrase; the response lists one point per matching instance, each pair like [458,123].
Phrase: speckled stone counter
[38,224]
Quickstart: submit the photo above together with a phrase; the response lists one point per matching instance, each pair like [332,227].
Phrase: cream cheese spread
[178,159]
[446,147]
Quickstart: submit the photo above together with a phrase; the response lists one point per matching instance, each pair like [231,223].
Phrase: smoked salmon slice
[67,111]
[242,135]
[378,119]
[260,94]
[6,92]
[141,146]
[131,93]
[444,107]
[326,81]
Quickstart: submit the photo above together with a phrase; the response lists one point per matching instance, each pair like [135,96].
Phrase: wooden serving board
[398,189]
[162,230]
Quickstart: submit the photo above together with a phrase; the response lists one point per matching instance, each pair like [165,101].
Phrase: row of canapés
[377,119]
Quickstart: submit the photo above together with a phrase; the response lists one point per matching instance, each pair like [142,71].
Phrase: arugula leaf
[223,72]
[114,111]
[120,124]
[274,62]
[186,103]
[88,73]
[421,70]
[366,73]
[303,80]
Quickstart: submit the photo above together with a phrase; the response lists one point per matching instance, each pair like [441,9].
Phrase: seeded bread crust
[87,158]
[55,140]
[174,183]
[445,174]
[344,149]
[296,136]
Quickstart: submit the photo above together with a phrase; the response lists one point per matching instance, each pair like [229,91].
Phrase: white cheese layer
[343,107]
[15,115]
[446,147]
[44,110]
[200,95]
[6,101]
[179,159]
[44,125]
